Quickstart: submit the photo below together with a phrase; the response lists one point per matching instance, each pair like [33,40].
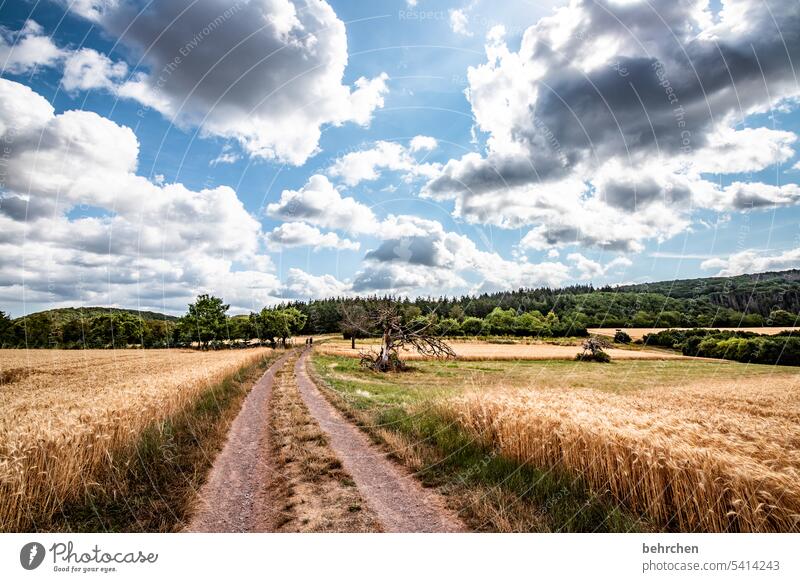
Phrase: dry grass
[717,455]
[640,332]
[312,490]
[70,418]
[480,351]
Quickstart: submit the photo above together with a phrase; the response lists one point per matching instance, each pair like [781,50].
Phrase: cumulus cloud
[301,285]
[459,22]
[319,203]
[24,50]
[753,262]
[614,113]
[77,224]
[297,234]
[88,69]
[419,253]
[267,73]
[423,142]
[367,164]
[588,269]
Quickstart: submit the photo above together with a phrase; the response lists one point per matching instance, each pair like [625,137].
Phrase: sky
[273,150]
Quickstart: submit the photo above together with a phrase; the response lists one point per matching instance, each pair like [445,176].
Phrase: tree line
[741,346]
[206,324]
[768,299]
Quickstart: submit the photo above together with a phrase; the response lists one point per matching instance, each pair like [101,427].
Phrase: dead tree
[355,322]
[594,350]
[396,334]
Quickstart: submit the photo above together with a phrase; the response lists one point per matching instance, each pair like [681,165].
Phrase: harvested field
[640,332]
[496,351]
[70,418]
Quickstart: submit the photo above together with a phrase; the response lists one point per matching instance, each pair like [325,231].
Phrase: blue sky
[297,150]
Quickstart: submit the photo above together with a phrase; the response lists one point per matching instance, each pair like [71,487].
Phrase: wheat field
[712,456]
[479,351]
[68,416]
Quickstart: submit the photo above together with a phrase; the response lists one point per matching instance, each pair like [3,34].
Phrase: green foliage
[622,337]
[7,337]
[601,357]
[272,325]
[471,325]
[741,346]
[205,322]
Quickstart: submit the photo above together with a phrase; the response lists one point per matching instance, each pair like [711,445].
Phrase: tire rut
[230,500]
[396,497]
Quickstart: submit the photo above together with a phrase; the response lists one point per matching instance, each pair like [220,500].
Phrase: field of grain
[689,445]
[68,416]
[477,351]
[640,332]
[718,455]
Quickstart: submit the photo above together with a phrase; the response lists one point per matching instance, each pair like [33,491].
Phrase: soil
[396,497]
[297,464]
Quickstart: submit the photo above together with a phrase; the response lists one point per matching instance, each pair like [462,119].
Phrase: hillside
[743,301]
[756,293]
[67,314]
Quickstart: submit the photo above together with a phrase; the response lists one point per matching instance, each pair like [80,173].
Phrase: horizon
[178,313]
[369,152]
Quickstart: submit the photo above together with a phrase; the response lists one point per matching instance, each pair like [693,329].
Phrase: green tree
[471,325]
[7,338]
[781,317]
[206,320]
[500,321]
[289,322]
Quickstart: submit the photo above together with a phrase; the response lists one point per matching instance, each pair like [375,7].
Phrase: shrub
[471,326]
[622,337]
[601,357]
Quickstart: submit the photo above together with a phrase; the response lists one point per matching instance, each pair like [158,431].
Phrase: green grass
[155,484]
[494,493]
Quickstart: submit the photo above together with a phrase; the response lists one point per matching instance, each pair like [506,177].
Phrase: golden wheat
[479,351]
[717,456]
[68,416]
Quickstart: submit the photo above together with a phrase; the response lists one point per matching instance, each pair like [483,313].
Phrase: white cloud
[296,234]
[366,165]
[601,127]
[267,73]
[320,204]
[87,69]
[753,262]
[24,50]
[145,243]
[589,269]
[302,285]
[459,22]
[423,142]
[419,254]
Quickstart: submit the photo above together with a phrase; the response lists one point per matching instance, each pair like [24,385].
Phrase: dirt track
[229,499]
[236,496]
[401,503]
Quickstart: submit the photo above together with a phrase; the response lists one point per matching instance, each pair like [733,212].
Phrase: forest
[766,299]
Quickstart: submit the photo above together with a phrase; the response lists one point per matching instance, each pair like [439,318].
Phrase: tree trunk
[386,345]
[352,342]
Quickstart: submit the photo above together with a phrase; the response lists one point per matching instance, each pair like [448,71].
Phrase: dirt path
[229,499]
[400,502]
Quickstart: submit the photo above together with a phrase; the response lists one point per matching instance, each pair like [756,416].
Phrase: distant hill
[753,293]
[67,314]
